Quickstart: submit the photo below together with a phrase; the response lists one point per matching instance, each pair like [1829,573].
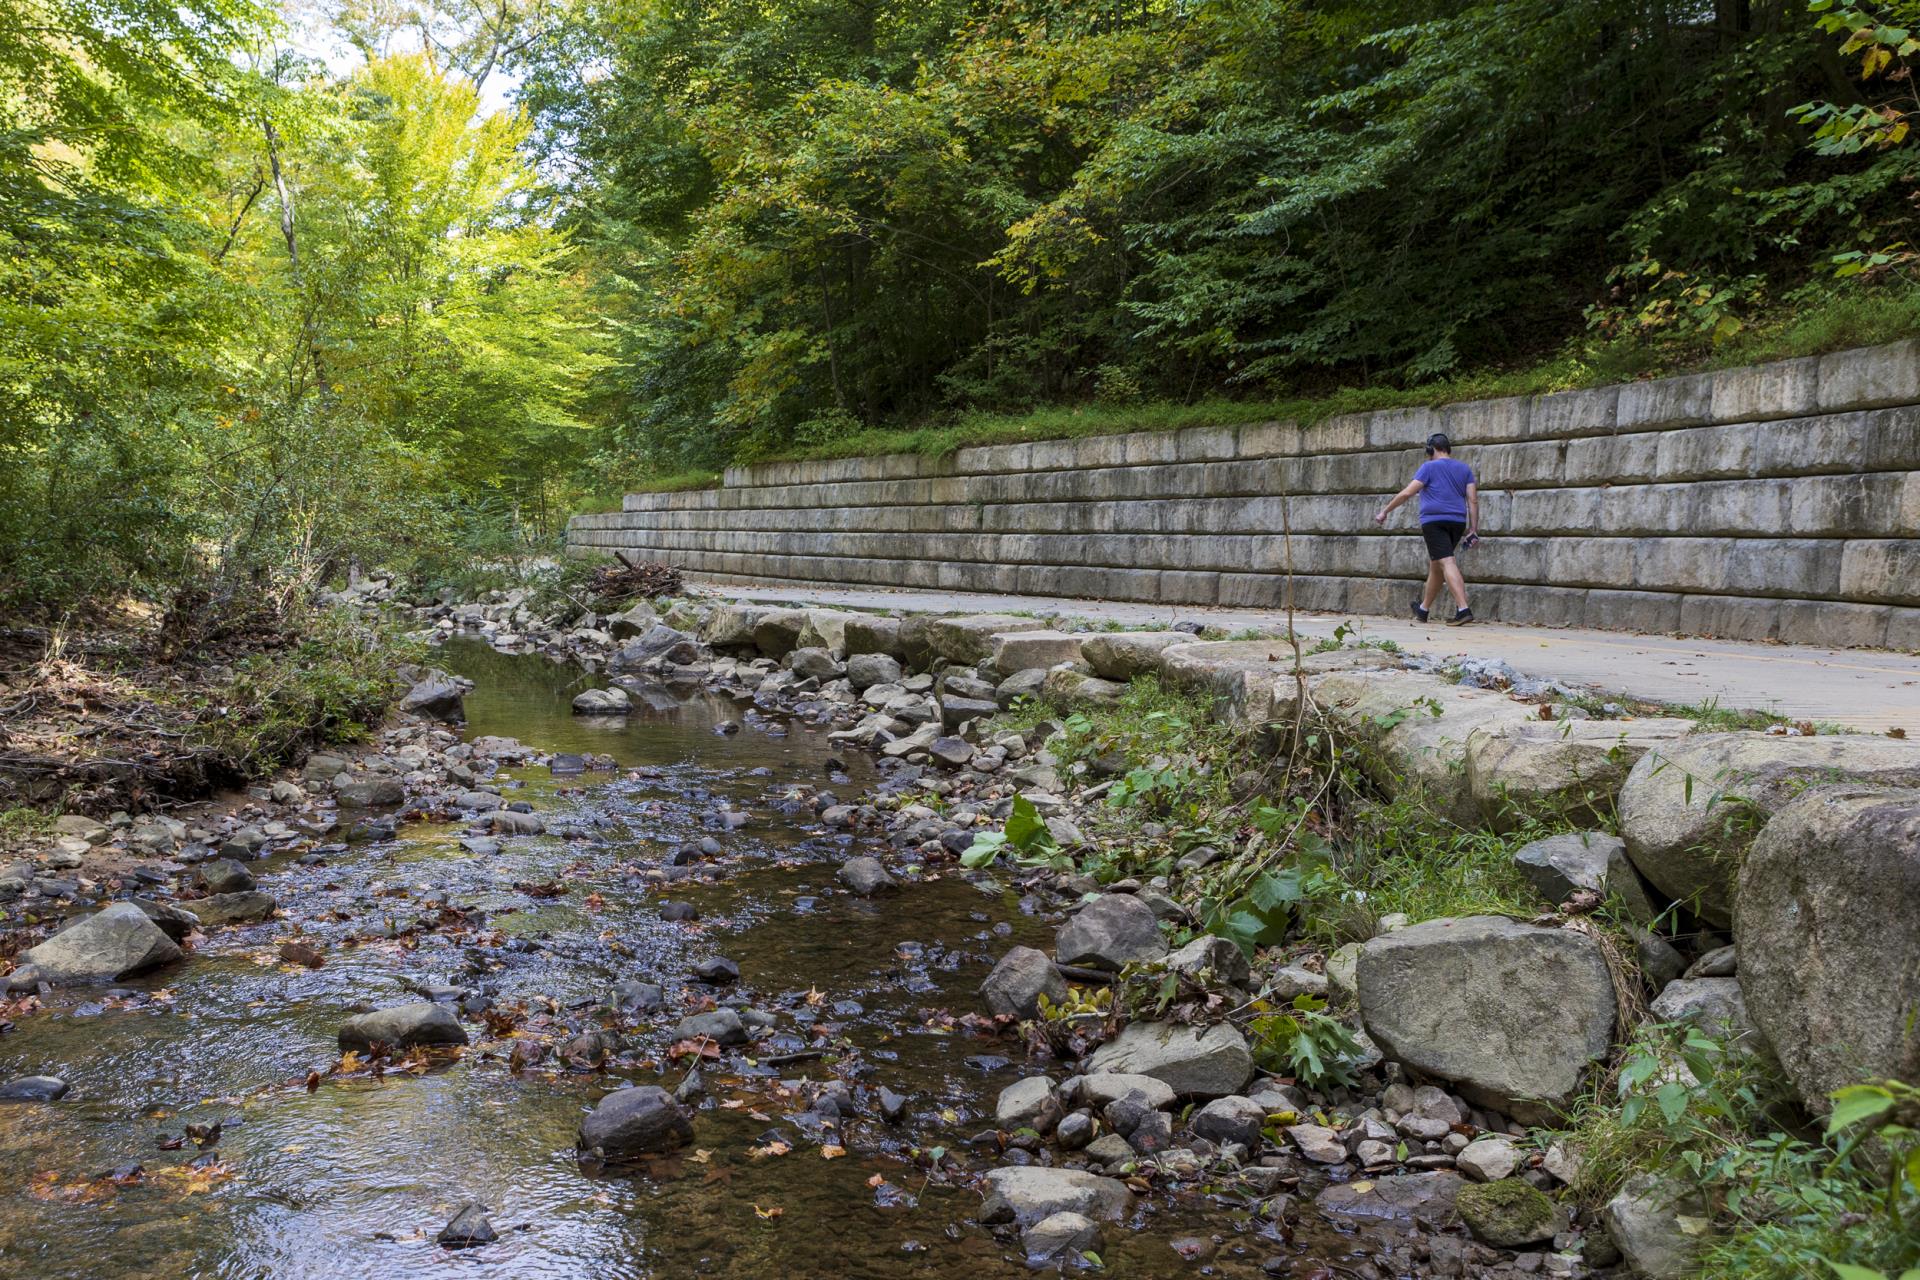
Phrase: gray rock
[1197,1062]
[638,1121]
[1019,980]
[1210,958]
[224,875]
[1659,1227]
[511,822]
[1071,691]
[1658,960]
[970,639]
[469,1227]
[1059,1236]
[173,920]
[1721,962]
[1715,1006]
[864,670]
[1512,1015]
[1026,1194]
[1690,811]
[1024,1104]
[817,664]
[115,942]
[370,793]
[1508,1214]
[1231,1119]
[403,1027]
[866,876]
[1103,1087]
[231,908]
[1113,930]
[1111,1150]
[1021,684]
[1123,655]
[866,634]
[1559,865]
[1830,938]
[33,1089]
[438,696]
[635,995]
[1318,1143]
[1488,1159]
[602,702]
[1426,1198]
[722,1026]
[956,711]
[951,752]
[1294,980]
[660,643]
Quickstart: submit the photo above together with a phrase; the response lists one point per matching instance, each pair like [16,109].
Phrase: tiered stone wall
[1774,502]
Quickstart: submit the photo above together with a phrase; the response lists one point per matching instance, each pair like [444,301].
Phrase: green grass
[1850,318]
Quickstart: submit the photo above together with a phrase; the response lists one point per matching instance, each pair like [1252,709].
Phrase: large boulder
[1419,728]
[1825,911]
[113,943]
[1559,866]
[438,696]
[1714,1005]
[1019,650]
[1690,811]
[1196,1062]
[660,643]
[403,1026]
[1069,690]
[369,792]
[1659,1226]
[231,908]
[1122,655]
[638,1121]
[867,634]
[1019,980]
[776,632]
[864,670]
[730,626]
[969,640]
[614,701]
[1026,1194]
[1564,771]
[1513,1016]
[825,629]
[1114,929]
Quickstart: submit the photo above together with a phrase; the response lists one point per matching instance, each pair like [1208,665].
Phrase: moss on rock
[1508,1213]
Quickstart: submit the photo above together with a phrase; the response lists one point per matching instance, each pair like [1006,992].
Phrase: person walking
[1449,520]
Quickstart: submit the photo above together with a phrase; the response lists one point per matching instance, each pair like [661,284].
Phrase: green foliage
[1025,836]
[1305,1043]
[1686,1105]
[817,221]
[331,686]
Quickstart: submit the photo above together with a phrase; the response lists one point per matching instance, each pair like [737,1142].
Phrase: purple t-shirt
[1445,495]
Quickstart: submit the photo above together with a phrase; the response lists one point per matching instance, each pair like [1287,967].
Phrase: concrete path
[1863,689]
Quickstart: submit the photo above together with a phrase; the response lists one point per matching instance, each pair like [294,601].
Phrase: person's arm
[1473,510]
[1399,499]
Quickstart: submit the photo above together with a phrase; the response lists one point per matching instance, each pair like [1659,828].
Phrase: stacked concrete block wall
[1775,502]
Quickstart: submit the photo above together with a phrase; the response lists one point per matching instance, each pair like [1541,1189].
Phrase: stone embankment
[1778,502]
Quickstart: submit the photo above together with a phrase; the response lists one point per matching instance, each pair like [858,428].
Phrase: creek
[357,1174]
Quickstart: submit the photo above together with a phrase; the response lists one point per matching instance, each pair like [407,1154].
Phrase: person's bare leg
[1455,583]
[1434,583]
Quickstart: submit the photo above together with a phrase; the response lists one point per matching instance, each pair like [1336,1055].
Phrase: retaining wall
[1775,502]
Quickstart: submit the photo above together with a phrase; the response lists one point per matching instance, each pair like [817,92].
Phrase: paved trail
[1864,689]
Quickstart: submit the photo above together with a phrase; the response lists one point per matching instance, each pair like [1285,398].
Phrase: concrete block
[1207,444]
[1268,440]
[1021,650]
[1903,634]
[1621,459]
[1870,377]
[1401,428]
[1783,389]
[1589,412]
[1835,625]
[1730,617]
[1479,422]
[1665,402]
[1880,571]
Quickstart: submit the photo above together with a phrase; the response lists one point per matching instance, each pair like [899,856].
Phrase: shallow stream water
[357,1175]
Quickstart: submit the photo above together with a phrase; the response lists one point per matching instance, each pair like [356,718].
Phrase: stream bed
[333,1174]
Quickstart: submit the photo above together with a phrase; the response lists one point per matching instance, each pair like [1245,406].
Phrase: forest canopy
[264,314]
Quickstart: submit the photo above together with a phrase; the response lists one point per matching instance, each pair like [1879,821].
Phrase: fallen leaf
[774,1148]
[774,1212]
[832,1152]
[877,1180]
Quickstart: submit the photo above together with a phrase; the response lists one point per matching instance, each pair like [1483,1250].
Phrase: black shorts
[1443,536]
